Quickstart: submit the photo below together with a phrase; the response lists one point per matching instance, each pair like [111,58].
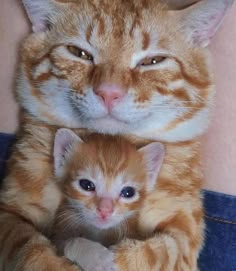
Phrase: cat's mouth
[127,120]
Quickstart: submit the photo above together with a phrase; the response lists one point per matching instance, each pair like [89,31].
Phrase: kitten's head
[104,178]
[119,66]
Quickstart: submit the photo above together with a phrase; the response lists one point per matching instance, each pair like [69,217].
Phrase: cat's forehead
[117,24]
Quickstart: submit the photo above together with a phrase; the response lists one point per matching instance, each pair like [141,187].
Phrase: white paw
[89,255]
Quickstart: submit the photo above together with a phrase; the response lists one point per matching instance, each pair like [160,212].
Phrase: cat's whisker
[174,107]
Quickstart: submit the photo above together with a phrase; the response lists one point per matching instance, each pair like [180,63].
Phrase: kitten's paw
[89,255]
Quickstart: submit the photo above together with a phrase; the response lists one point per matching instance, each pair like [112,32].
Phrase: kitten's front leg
[89,255]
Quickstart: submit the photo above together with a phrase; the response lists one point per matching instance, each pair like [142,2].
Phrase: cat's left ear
[153,155]
[200,21]
[63,145]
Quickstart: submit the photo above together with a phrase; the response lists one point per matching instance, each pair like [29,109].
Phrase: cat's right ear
[39,13]
[63,144]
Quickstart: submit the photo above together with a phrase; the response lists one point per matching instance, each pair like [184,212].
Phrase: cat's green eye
[148,61]
[76,51]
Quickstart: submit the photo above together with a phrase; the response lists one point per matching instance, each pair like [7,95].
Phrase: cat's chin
[108,125]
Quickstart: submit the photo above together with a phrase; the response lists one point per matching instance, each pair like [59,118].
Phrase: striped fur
[167,223]
[111,163]
[169,101]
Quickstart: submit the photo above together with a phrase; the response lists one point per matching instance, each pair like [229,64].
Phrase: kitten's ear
[153,155]
[200,21]
[63,143]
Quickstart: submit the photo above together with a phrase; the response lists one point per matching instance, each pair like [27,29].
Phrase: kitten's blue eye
[87,185]
[127,192]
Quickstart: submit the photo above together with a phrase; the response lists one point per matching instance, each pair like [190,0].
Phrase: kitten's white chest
[107,237]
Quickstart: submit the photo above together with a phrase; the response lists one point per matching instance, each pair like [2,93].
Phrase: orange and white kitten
[105,180]
[135,68]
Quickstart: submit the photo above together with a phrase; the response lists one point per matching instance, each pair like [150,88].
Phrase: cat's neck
[38,130]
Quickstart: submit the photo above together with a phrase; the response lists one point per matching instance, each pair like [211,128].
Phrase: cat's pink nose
[110,94]
[105,207]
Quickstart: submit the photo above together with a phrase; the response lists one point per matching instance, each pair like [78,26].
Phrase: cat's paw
[89,255]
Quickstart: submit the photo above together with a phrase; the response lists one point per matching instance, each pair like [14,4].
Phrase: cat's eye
[127,192]
[76,51]
[87,185]
[148,61]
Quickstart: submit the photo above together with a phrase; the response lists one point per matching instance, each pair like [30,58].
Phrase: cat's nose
[110,94]
[105,207]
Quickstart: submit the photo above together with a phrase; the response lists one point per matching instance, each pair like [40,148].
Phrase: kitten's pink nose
[110,94]
[105,207]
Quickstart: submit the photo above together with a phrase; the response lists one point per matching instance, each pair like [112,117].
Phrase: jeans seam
[220,220]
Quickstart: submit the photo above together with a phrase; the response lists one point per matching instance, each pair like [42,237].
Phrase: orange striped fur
[158,59]
[112,164]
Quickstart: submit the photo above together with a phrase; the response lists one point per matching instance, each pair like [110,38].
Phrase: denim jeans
[6,141]
[219,251]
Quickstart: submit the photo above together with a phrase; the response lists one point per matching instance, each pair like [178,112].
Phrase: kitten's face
[104,184]
[104,178]
[117,67]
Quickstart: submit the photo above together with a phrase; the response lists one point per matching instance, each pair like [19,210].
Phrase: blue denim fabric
[6,141]
[219,252]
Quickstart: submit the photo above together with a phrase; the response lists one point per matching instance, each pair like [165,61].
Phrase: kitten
[105,181]
[134,68]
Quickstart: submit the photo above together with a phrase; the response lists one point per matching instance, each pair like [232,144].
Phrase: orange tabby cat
[105,181]
[121,67]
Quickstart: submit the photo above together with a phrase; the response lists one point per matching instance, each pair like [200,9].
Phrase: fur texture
[116,178]
[118,67]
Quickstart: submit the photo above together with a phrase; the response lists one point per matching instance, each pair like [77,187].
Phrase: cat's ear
[63,144]
[201,20]
[153,155]
[39,13]
[42,12]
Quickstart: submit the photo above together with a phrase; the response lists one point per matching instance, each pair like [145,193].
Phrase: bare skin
[219,144]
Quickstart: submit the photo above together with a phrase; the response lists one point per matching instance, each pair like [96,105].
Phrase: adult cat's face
[119,67]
